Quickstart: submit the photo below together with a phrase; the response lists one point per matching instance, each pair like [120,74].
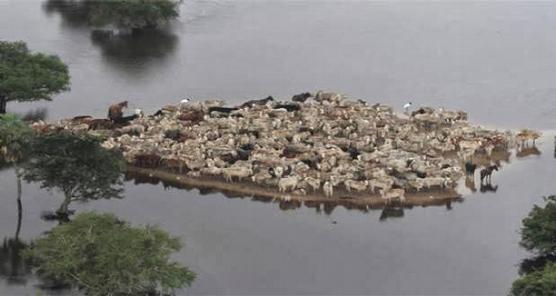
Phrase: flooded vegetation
[475,230]
[101,255]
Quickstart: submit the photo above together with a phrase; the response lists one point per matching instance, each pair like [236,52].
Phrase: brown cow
[193,116]
[100,124]
[115,112]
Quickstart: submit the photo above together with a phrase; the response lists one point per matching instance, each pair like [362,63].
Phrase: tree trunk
[19,205]
[64,208]
[3,103]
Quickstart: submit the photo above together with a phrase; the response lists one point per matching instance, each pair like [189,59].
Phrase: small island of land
[315,148]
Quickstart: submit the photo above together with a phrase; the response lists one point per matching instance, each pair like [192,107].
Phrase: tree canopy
[78,166]
[537,283]
[133,13]
[26,76]
[105,256]
[539,228]
[123,14]
[538,235]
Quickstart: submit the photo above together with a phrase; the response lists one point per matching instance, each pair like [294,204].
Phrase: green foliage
[538,234]
[133,13]
[14,137]
[538,283]
[105,256]
[124,14]
[539,228]
[77,165]
[26,76]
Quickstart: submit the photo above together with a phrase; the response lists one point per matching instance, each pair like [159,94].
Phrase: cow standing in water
[470,168]
[116,113]
[486,173]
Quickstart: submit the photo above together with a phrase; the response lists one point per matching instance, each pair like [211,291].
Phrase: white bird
[185,101]
[406,106]
[139,112]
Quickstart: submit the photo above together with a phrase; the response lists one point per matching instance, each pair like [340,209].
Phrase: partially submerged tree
[538,235]
[133,14]
[78,166]
[15,136]
[26,76]
[539,228]
[121,14]
[105,256]
[537,283]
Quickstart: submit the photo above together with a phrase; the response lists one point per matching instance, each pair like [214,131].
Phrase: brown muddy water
[493,60]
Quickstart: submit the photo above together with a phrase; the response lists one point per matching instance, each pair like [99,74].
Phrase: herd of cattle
[322,143]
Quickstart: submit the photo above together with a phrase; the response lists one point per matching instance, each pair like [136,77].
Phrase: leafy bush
[105,256]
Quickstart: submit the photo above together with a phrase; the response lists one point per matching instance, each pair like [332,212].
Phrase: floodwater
[494,60]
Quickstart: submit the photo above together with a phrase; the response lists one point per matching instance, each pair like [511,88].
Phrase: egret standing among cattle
[184,102]
[406,106]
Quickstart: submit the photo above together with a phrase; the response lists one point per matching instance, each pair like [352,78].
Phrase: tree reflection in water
[136,47]
[13,268]
[77,166]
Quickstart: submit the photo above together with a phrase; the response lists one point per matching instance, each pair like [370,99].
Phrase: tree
[538,234]
[122,14]
[539,228]
[537,283]
[78,166]
[134,14]
[26,76]
[105,256]
[15,136]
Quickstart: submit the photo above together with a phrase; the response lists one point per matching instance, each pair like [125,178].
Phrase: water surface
[494,60]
